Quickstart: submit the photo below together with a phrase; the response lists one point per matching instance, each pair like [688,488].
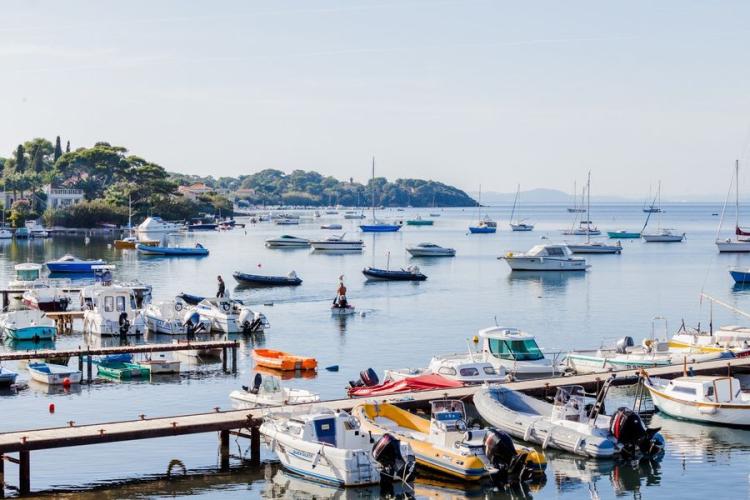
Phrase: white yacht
[517,353]
[338,244]
[169,317]
[430,250]
[329,447]
[467,368]
[36,230]
[268,391]
[231,316]
[547,257]
[287,241]
[664,235]
[27,274]
[112,311]
[155,226]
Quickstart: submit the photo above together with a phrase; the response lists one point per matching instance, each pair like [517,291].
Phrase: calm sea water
[404,325]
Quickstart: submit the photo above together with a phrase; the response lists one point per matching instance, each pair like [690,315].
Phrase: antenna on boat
[496,323]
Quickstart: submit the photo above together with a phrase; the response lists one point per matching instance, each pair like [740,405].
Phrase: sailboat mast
[479,205]
[515,200]
[737,196]
[588,210]
[373,189]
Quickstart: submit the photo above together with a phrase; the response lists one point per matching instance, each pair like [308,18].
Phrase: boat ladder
[364,467]
[599,404]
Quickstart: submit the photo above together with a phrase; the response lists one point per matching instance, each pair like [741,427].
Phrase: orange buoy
[66,383]
[52,407]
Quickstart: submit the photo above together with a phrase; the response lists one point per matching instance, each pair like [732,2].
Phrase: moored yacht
[231,316]
[156,227]
[467,368]
[170,317]
[287,241]
[338,244]
[545,257]
[430,250]
[112,311]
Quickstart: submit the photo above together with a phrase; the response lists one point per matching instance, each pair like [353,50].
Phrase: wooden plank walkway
[132,349]
[145,428]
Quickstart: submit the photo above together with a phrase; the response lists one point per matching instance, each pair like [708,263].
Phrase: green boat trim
[419,222]
[623,235]
[634,363]
[123,371]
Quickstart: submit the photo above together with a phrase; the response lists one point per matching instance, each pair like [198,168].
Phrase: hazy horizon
[462,92]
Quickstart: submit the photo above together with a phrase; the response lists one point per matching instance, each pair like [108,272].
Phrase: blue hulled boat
[258,280]
[71,264]
[411,273]
[740,275]
[377,226]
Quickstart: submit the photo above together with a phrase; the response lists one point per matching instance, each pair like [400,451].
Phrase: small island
[103,184]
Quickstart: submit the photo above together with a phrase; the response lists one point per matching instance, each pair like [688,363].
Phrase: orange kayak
[280,360]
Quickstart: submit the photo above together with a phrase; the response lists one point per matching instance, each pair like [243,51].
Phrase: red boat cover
[740,232]
[409,384]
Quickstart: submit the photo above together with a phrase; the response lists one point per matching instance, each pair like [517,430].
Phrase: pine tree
[20,159]
[37,161]
[58,149]
[67,148]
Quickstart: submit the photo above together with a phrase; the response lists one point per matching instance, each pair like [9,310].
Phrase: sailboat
[741,243]
[129,241]
[662,235]
[592,246]
[485,224]
[584,226]
[519,225]
[377,226]
[575,209]
[651,208]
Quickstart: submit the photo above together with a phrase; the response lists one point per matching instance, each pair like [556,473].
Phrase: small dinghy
[120,367]
[287,241]
[52,374]
[267,391]
[342,310]
[160,365]
[411,273]
[572,423]
[192,300]
[197,251]
[330,448]
[290,279]
[332,227]
[71,264]
[27,324]
[280,360]
[707,399]
[445,444]
[7,377]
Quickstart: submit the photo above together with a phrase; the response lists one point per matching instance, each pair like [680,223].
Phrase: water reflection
[285,485]
[545,281]
[701,442]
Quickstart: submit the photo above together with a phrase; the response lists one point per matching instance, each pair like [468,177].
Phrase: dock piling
[224,449]
[24,473]
[2,476]
[224,359]
[254,444]
[234,357]
[88,366]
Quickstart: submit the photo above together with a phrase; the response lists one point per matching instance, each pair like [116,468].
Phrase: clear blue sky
[462,91]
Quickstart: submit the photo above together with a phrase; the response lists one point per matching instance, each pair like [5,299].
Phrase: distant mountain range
[542,195]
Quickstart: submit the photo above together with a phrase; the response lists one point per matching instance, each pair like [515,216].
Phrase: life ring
[178,306]
[225,306]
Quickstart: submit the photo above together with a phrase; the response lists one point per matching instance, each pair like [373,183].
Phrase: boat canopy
[409,384]
[28,271]
[511,343]
[549,251]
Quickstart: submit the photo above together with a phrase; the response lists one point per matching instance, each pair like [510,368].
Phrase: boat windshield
[519,350]
[27,274]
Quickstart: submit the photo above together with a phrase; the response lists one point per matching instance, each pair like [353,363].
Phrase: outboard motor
[192,321]
[630,431]
[124,323]
[623,344]
[367,378]
[249,321]
[510,465]
[387,452]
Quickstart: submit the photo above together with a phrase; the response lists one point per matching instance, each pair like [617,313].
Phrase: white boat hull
[730,246]
[158,366]
[283,397]
[443,252]
[337,247]
[663,238]
[595,248]
[339,467]
[545,264]
[724,414]
[56,378]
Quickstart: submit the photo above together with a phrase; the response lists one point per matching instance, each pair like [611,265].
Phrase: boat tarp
[409,384]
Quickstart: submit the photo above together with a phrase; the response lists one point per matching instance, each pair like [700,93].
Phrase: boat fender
[225,306]
[177,306]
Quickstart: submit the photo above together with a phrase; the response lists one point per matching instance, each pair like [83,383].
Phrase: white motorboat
[517,353]
[27,274]
[518,225]
[231,316]
[430,250]
[7,377]
[36,230]
[156,226]
[741,243]
[170,317]
[597,247]
[46,297]
[572,423]
[287,241]
[268,391]
[52,374]
[113,311]
[337,244]
[333,227]
[546,257]
[467,368]
[285,221]
[709,399]
[27,324]
[329,447]
[5,233]
[160,365]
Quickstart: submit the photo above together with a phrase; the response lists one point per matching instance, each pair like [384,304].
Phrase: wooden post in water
[24,473]
[224,449]
[88,367]
[224,359]
[234,357]
[2,476]
[80,361]
[255,443]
